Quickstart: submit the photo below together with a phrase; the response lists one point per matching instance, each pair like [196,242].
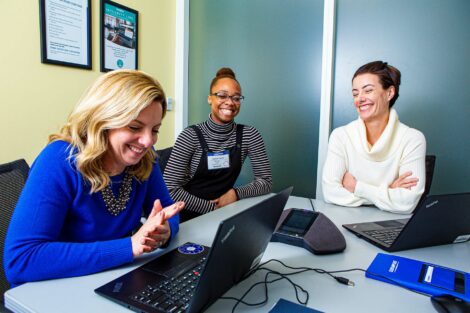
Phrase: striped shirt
[187,152]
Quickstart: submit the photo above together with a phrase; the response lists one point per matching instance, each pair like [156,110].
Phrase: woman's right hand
[143,240]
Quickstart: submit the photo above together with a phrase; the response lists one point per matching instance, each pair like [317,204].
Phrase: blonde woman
[80,208]
[375,159]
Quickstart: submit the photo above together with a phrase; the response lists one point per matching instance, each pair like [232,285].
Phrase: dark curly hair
[224,72]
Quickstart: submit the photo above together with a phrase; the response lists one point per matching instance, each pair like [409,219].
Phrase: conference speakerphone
[310,230]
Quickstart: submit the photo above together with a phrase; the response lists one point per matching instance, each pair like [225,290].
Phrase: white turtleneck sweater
[398,150]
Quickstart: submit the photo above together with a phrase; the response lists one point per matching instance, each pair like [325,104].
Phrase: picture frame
[119,37]
[65,32]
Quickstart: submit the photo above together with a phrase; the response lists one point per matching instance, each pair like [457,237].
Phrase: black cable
[344,280]
[311,203]
[305,269]
[299,270]
[265,282]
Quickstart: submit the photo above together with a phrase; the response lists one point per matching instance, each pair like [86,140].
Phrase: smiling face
[127,145]
[371,100]
[224,111]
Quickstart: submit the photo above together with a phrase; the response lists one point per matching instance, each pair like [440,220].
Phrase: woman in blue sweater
[80,210]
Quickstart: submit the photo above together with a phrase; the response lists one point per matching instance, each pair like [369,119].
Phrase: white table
[77,295]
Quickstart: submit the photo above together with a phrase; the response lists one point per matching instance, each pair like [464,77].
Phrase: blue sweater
[59,229]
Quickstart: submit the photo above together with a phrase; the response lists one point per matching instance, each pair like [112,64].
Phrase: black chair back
[430,163]
[12,179]
[162,156]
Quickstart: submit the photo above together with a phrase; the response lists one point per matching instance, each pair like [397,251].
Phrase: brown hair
[224,72]
[388,76]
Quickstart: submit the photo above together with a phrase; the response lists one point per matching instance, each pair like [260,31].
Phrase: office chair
[430,162]
[12,179]
[162,156]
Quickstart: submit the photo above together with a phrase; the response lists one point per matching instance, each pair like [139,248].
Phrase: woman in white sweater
[375,159]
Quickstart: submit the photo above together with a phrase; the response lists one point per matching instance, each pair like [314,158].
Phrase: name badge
[218,160]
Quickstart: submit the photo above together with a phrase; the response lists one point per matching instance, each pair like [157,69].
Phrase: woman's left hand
[349,182]
[156,231]
[225,199]
[161,231]
[405,181]
[161,234]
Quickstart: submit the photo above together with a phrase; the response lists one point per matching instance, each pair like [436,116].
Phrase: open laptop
[437,220]
[191,277]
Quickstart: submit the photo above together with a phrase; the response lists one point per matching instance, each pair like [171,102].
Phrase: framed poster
[119,25]
[65,28]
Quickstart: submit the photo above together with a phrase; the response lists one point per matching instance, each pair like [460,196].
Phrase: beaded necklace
[116,206]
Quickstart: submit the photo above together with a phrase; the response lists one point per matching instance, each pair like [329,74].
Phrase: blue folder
[421,276]
[286,306]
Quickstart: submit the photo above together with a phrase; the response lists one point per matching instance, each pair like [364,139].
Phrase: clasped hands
[229,197]
[156,231]
[403,181]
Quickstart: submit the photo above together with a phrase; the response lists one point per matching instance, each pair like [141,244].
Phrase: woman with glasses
[375,159]
[80,209]
[207,158]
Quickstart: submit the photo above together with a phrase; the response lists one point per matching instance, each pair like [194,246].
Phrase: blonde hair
[113,101]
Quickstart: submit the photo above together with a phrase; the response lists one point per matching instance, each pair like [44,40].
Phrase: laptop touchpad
[391,223]
[170,264]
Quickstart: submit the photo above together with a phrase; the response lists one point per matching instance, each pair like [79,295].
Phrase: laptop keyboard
[386,236]
[173,294]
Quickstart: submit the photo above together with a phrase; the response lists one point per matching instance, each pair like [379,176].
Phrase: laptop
[192,277]
[437,220]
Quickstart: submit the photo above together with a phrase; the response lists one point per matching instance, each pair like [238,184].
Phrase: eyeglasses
[224,97]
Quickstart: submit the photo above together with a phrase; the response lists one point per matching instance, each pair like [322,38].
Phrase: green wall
[274,47]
